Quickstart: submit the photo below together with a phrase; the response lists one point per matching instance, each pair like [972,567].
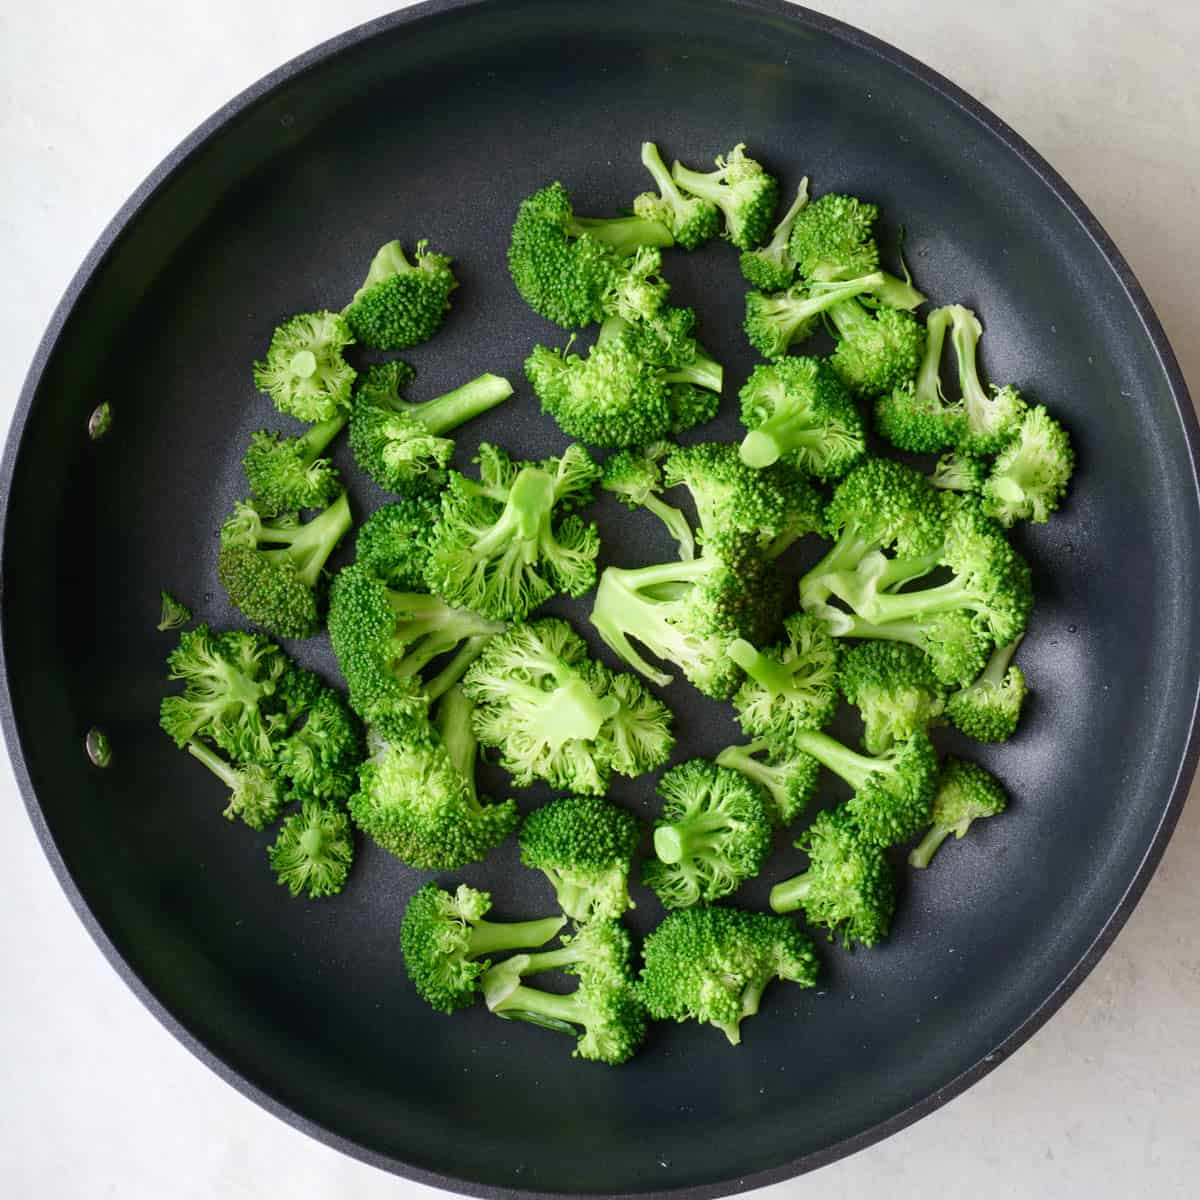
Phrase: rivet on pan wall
[100,422]
[98,748]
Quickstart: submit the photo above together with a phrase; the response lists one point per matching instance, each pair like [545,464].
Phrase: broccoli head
[966,792]
[1030,475]
[959,471]
[957,648]
[741,189]
[893,686]
[304,372]
[788,777]
[989,708]
[691,220]
[878,350]
[601,948]
[833,238]
[401,303]
[287,473]
[256,795]
[393,542]
[772,267]
[320,756]
[314,850]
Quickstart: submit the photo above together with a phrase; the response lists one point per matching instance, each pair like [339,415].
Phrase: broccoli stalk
[966,793]
[601,947]
[255,794]
[787,776]
[771,267]
[991,421]
[625,236]
[692,221]
[288,473]
[314,850]
[741,189]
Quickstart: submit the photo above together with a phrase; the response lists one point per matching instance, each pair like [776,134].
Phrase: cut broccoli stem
[493,937]
[922,853]
[303,364]
[692,838]
[309,545]
[848,764]
[964,335]
[623,235]
[704,371]
[826,297]
[571,712]
[310,445]
[457,407]
[668,188]
[547,1009]
[929,376]
[528,507]
[768,673]
[791,894]
[456,668]
[224,771]
[785,430]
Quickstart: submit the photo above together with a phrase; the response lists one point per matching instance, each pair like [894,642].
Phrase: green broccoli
[447,943]
[989,708]
[585,846]
[600,948]
[401,303]
[966,792]
[713,964]
[393,542]
[791,686]
[564,266]
[956,647]
[797,408]
[416,795]
[848,887]
[287,473]
[638,292]
[550,712]
[833,238]
[174,614]
[991,420]
[741,189]
[1030,475]
[384,639]
[788,776]
[876,351]
[271,567]
[894,688]
[713,833]
[321,756]
[399,444]
[502,546]
[959,471]
[692,221]
[255,794]
[304,372]
[893,792]
[314,850]
[635,478]
[771,267]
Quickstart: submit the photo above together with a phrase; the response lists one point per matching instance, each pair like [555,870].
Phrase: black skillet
[434,122]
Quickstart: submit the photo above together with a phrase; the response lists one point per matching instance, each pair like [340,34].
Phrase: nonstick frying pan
[434,122]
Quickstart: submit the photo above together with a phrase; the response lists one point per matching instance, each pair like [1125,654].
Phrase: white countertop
[99,1100]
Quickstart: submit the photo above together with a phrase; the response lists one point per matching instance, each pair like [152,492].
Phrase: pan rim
[128,214]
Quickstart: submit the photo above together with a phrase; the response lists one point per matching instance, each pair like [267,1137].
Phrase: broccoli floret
[833,238]
[713,833]
[894,688]
[271,568]
[848,887]
[255,794]
[384,639]
[401,303]
[788,777]
[314,850]
[915,415]
[393,542]
[692,221]
[713,964]
[772,267]
[893,792]
[741,189]
[174,614]
[550,712]
[230,680]
[797,409]
[610,1016]
[585,846]
[966,792]
[600,949]
[957,649]
[959,471]
[989,708]
[287,473]
[991,420]
[1030,475]
[416,794]
[398,444]
[876,351]
[304,372]
[502,546]
[446,942]
[639,292]
[635,478]
[322,756]
[791,686]
[565,266]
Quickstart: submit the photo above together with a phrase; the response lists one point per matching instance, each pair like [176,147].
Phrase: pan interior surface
[436,128]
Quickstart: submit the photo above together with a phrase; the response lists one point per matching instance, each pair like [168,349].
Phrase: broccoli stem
[530,501]
[770,675]
[389,260]
[845,555]
[310,445]
[708,185]
[704,371]
[676,523]
[827,297]
[923,852]
[429,628]
[777,247]
[965,333]
[667,187]
[303,364]
[689,838]
[456,668]
[851,766]
[784,430]
[623,235]
[884,574]
[454,724]
[947,597]
[997,666]
[457,407]
[548,1009]
[929,377]
[790,895]
[494,937]
[741,758]
[224,771]
[308,546]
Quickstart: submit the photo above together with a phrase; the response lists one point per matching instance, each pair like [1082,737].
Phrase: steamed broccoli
[271,568]
[789,777]
[384,639]
[550,712]
[797,408]
[791,686]
[959,471]
[416,794]
[446,942]
[991,420]
[712,834]
[401,303]
[564,266]
[635,478]
[848,886]
[399,444]
[288,473]
[713,964]
[741,189]
[393,542]
[314,850]
[833,238]
[956,647]
[989,708]
[585,846]
[771,267]
[692,221]
[321,756]
[502,546]
[966,792]
[600,948]
[894,688]
[876,351]
[304,372]
[1030,475]
[255,794]
[175,614]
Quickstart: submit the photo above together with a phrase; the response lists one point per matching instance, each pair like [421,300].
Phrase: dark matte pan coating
[434,123]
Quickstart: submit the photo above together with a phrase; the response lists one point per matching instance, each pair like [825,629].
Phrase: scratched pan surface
[434,123]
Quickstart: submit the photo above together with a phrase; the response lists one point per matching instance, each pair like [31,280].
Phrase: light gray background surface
[99,1101]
